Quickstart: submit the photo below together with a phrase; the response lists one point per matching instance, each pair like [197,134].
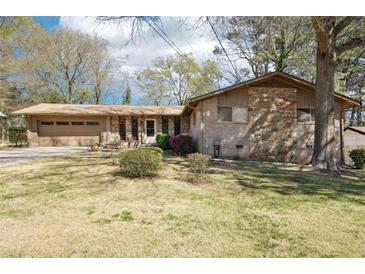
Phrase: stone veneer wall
[272,124]
[114,129]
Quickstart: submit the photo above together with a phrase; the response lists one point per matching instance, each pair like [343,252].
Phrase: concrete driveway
[15,155]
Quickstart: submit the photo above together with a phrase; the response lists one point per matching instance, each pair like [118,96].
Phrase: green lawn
[79,206]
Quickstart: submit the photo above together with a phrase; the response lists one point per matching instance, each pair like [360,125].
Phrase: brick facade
[272,124]
[271,132]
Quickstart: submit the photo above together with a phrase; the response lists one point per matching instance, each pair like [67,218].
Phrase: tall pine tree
[127,96]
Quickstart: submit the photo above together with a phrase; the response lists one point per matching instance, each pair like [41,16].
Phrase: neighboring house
[267,118]
[80,125]
[354,138]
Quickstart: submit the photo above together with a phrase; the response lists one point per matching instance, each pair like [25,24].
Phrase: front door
[150,131]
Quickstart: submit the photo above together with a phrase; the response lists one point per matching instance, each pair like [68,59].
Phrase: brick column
[128,127]
[108,130]
[171,125]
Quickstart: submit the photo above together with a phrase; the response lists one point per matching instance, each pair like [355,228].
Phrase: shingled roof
[69,109]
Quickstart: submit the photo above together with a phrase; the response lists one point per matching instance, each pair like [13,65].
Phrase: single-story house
[354,138]
[266,118]
[81,125]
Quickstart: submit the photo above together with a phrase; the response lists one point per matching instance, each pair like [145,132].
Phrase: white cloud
[149,46]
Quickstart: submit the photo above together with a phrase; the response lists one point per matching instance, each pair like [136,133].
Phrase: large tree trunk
[324,138]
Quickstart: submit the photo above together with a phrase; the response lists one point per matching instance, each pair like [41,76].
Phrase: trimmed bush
[358,157]
[172,143]
[139,162]
[162,141]
[198,162]
[184,144]
[18,135]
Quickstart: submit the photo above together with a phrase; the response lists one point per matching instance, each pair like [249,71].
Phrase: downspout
[201,122]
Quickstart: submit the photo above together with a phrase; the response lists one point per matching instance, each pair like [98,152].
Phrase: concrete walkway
[15,155]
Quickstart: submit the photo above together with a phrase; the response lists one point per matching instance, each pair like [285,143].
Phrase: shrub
[139,162]
[198,162]
[184,144]
[162,141]
[154,149]
[18,135]
[172,143]
[358,157]
[236,158]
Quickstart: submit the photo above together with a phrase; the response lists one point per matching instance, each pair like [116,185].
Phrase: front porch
[135,131]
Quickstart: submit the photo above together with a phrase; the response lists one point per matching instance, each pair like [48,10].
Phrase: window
[224,113]
[92,123]
[77,123]
[177,125]
[150,128]
[165,125]
[134,129]
[239,114]
[232,114]
[122,129]
[62,123]
[305,115]
[46,123]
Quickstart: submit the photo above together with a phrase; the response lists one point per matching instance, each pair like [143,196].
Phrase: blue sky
[47,22]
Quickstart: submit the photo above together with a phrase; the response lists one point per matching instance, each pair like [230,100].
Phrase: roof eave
[351,102]
[356,130]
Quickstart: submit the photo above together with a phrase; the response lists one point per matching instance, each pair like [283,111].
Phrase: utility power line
[221,44]
[171,43]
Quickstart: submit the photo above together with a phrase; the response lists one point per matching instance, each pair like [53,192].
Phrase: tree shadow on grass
[56,177]
[294,181]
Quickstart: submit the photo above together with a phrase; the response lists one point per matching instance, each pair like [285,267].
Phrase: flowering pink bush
[173,143]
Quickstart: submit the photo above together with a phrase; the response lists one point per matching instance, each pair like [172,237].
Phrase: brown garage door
[68,133]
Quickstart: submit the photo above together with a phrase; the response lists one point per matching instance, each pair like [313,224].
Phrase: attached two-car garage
[68,132]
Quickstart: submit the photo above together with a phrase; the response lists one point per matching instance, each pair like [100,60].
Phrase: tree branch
[320,33]
[343,24]
[351,44]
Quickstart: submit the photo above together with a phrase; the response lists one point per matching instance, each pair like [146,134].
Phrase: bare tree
[101,69]
[176,78]
[70,56]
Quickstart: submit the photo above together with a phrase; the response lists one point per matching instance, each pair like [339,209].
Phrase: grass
[79,206]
